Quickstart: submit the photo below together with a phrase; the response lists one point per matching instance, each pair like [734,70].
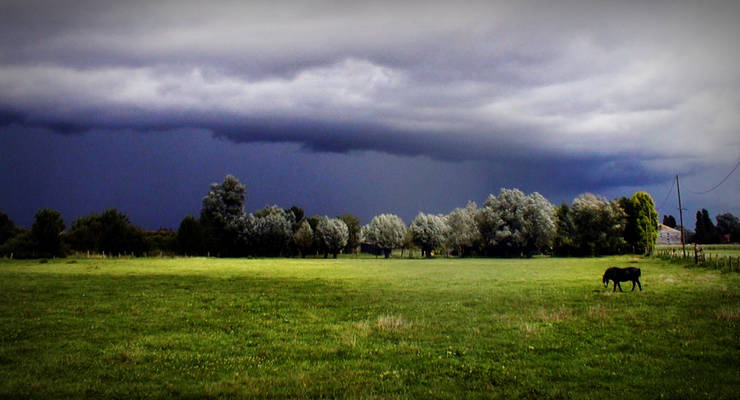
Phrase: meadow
[365,328]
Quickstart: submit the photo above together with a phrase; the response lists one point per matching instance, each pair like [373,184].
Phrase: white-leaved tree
[386,232]
[333,235]
[273,229]
[463,233]
[540,220]
[429,232]
[515,224]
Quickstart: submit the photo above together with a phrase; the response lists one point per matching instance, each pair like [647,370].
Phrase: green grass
[365,328]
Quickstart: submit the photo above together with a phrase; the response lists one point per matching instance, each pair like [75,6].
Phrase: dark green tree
[630,233]
[313,221]
[222,216]
[46,229]
[119,236]
[317,246]
[160,242]
[109,233]
[298,216]
[21,245]
[669,221]
[706,232]
[85,233]
[564,244]
[699,230]
[303,238]
[190,237]
[353,226]
[7,228]
[728,224]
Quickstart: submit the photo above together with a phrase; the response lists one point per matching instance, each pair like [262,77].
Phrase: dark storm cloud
[550,169]
[518,83]
[159,178]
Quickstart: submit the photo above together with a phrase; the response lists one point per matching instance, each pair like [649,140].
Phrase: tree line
[109,233]
[727,229]
[508,224]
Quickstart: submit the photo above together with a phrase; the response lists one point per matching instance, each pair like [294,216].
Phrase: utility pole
[680,216]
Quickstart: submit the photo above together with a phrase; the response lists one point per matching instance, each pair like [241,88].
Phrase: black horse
[622,275]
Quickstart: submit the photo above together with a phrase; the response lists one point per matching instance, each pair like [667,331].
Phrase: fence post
[696,255]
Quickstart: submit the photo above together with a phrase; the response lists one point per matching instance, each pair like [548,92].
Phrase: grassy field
[365,328]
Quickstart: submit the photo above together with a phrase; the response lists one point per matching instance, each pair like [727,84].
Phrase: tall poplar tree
[706,232]
[642,223]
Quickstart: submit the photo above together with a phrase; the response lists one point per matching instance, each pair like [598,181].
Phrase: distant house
[668,235]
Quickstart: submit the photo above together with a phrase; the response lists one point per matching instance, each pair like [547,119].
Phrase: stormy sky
[364,107]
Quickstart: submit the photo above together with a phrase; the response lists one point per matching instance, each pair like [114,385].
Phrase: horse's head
[607,276]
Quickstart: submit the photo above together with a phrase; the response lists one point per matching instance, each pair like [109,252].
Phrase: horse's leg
[639,285]
[615,286]
[620,286]
[633,286]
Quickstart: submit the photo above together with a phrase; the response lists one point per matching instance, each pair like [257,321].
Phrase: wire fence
[696,256]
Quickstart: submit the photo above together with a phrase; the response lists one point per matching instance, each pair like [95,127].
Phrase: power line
[720,182]
[662,203]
